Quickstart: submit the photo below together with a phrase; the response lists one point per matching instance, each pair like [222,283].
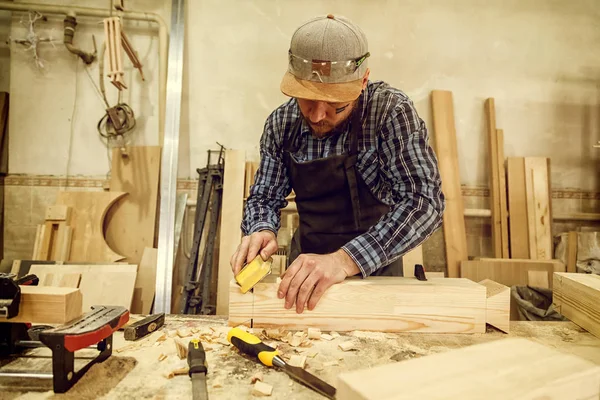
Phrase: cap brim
[329,92]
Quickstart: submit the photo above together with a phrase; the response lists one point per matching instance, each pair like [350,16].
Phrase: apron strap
[350,163]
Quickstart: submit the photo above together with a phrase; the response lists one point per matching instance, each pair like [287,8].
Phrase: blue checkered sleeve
[408,164]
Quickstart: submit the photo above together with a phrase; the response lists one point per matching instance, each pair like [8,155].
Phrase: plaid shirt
[394,160]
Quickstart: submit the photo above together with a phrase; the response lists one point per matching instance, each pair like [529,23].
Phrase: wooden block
[410,259]
[393,304]
[502,193]
[434,274]
[314,333]
[497,309]
[572,252]
[87,221]
[262,389]
[509,272]
[538,279]
[326,336]
[145,282]
[347,346]
[490,112]
[182,348]
[539,216]
[231,215]
[502,369]
[130,223]
[297,361]
[48,305]
[455,236]
[109,285]
[58,213]
[577,297]
[517,205]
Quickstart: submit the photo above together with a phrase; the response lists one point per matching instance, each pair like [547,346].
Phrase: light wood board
[48,305]
[538,208]
[517,205]
[490,112]
[577,297]
[87,220]
[538,279]
[502,193]
[509,272]
[60,279]
[410,259]
[145,283]
[497,311]
[389,304]
[105,285]
[499,370]
[455,236]
[130,223]
[572,244]
[231,219]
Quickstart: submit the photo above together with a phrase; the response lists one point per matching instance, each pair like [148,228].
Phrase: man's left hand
[310,275]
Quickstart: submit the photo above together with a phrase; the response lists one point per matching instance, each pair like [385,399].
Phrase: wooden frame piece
[490,112]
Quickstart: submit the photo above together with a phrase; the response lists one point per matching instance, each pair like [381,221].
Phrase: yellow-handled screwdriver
[252,345]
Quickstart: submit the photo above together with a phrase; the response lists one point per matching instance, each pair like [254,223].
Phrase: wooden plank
[502,369]
[410,259]
[87,220]
[577,297]
[538,279]
[58,213]
[572,244]
[497,308]
[70,280]
[502,193]
[145,282]
[48,305]
[38,242]
[231,217]
[108,285]
[388,304]
[490,112]
[48,235]
[538,208]
[509,272]
[455,236]
[62,250]
[517,205]
[130,224]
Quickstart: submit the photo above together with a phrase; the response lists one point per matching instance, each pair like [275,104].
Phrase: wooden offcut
[130,223]
[539,216]
[145,282]
[87,220]
[48,305]
[509,272]
[455,236]
[490,112]
[499,370]
[577,297]
[393,304]
[517,205]
[497,309]
[231,217]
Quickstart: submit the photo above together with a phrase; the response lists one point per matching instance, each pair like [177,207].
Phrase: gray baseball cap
[327,60]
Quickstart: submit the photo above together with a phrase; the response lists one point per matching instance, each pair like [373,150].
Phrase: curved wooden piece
[89,210]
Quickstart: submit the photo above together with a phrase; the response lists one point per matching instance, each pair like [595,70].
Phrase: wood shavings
[162,357]
[297,361]
[257,377]
[218,382]
[330,364]
[224,342]
[127,347]
[261,389]
[195,330]
[314,333]
[287,337]
[179,371]
[347,346]
[326,336]
[184,332]
[295,341]
[275,334]
[299,334]
[312,354]
[306,343]
[182,348]
[334,334]
[162,338]
[172,333]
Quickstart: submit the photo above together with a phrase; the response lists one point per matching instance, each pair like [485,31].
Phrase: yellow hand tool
[252,346]
[253,273]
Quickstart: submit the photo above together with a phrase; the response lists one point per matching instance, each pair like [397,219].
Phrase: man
[356,154]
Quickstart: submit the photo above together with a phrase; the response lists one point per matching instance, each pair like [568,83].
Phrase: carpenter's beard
[323,128]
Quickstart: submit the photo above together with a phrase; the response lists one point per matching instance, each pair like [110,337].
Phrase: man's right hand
[263,242]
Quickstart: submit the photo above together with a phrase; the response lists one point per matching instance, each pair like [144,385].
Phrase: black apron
[334,203]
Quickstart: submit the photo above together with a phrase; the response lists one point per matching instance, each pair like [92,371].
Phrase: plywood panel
[455,236]
[145,282]
[49,305]
[508,272]
[490,112]
[499,370]
[517,205]
[130,223]
[538,208]
[577,297]
[231,219]
[392,304]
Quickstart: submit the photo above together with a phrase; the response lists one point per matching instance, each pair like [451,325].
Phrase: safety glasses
[326,71]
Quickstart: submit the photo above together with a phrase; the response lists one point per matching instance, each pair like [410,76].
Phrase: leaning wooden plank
[497,309]
[538,207]
[392,304]
[572,244]
[498,370]
[490,112]
[48,305]
[107,285]
[410,259]
[231,218]
[87,221]
[455,236]
[130,223]
[509,272]
[145,282]
[502,193]
[517,206]
[538,279]
[577,297]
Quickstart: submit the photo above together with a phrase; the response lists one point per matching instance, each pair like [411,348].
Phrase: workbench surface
[134,372]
